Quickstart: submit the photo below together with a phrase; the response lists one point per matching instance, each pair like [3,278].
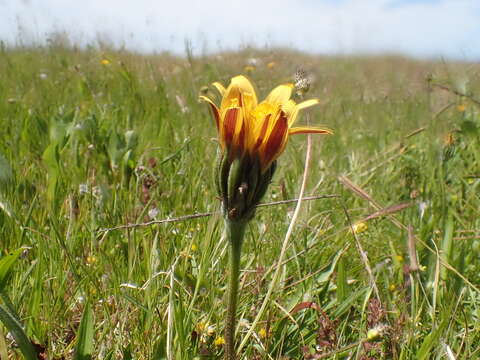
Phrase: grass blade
[6,264]
[16,329]
[84,346]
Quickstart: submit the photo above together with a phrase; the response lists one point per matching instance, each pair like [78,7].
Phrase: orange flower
[259,130]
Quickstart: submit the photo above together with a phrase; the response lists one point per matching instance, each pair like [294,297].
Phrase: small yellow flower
[219,341]
[399,258]
[461,107]
[359,227]
[91,260]
[194,247]
[271,64]
[249,69]
[105,62]
[392,287]
[262,333]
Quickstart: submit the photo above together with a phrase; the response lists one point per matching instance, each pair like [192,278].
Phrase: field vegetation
[105,154]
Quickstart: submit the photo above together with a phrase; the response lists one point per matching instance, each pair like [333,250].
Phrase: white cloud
[415,27]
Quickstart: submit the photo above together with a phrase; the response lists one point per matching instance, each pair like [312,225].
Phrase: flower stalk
[235,233]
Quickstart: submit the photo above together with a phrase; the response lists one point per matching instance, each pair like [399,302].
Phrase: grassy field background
[94,139]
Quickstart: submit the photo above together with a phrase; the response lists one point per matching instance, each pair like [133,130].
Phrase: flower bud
[241,184]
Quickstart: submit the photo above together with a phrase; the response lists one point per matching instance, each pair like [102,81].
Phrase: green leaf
[447,244]
[51,158]
[342,286]
[84,346]
[468,127]
[6,264]
[326,275]
[127,353]
[350,301]
[429,342]
[16,329]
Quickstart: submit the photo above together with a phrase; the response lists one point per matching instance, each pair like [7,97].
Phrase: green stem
[235,233]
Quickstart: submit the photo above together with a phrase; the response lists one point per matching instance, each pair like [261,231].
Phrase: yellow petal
[231,126]
[308,130]
[258,133]
[292,109]
[308,103]
[231,98]
[280,95]
[219,87]
[275,141]
[247,90]
[289,107]
[240,93]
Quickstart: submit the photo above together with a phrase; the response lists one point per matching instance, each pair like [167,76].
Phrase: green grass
[86,146]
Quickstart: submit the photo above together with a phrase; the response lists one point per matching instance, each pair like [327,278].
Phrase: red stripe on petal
[213,110]
[263,131]
[238,142]
[229,124]
[276,140]
[216,115]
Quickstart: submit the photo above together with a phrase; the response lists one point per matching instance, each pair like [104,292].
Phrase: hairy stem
[235,233]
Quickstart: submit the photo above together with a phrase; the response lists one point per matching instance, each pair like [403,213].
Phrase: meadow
[112,246]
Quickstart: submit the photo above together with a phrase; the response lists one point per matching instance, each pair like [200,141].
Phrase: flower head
[252,136]
[359,227]
[271,64]
[260,130]
[219,341]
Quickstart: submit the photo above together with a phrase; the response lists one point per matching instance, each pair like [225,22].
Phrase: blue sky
[419,28]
